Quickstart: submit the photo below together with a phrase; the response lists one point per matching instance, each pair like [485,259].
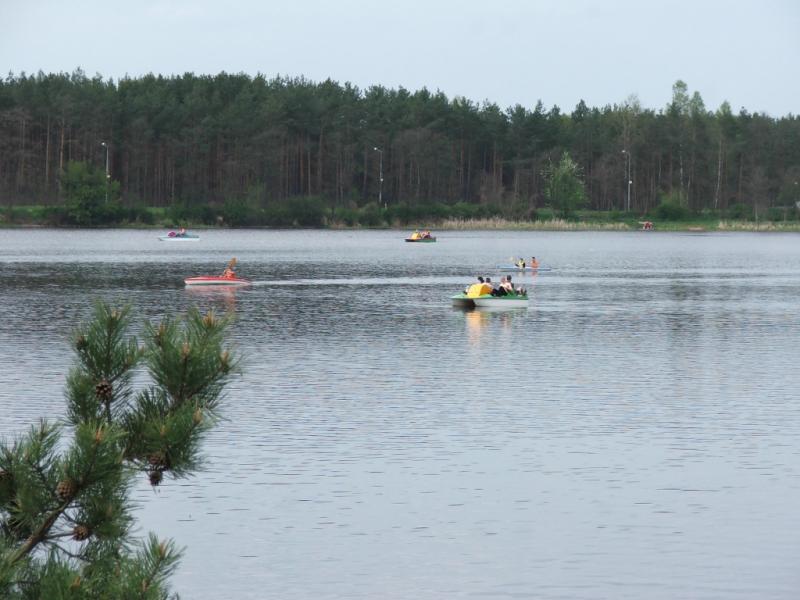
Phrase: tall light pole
[796,197]
[108,175]
[380,177]
[628,179]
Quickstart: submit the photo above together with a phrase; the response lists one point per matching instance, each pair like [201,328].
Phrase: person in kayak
[229,273]
[182,232]
[520,263]
[534,263]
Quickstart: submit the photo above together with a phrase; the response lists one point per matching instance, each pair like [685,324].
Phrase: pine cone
[66,488]
[81,532]
[155,477]
[104,391]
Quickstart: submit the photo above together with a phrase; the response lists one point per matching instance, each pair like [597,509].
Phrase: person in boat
[534,263]
[229,273]
[182,232]
[520,263]
[507,285]
[426,235]
[500,290]
[415,235]
[481,288]
[480,281]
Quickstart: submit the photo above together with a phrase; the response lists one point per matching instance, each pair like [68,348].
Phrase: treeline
[192,141]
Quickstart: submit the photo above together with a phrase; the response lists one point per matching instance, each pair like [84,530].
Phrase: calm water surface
[635,433]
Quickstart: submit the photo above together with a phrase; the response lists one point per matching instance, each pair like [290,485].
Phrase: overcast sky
[517,51]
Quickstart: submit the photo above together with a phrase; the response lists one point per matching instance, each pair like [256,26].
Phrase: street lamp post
[796,196]
[628,179]
[108,175]
[380,177]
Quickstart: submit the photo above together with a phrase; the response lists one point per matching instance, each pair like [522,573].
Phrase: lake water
[634,433]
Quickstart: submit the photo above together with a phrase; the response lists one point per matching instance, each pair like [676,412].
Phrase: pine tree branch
[35,466]
[68,553]
[191,392]
[43,530]
[185,366]
[40,534]
[161,557]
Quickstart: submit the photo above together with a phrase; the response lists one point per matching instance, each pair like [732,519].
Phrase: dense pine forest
[196,141]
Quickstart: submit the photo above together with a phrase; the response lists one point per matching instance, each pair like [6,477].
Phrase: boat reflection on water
[215,294]
[485,322]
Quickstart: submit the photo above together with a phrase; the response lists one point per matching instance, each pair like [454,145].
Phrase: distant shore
[476,225]
[564,225]
[314,215]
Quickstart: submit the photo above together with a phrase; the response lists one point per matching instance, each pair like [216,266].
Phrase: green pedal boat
[488,301]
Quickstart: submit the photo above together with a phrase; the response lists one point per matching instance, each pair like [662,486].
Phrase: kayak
[174,237]
[516,268]
[428,239]
[215,280]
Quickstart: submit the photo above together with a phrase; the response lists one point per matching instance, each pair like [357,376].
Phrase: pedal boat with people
[424,237]
[175,236]
[480,295]
[502,302]
[463,300]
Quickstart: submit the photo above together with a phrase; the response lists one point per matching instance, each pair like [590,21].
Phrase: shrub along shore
[307,213]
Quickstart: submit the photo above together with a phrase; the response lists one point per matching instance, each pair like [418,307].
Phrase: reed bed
[549,225]
[758,226]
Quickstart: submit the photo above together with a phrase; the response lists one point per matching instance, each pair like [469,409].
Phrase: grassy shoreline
[35,217]
[478,225]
